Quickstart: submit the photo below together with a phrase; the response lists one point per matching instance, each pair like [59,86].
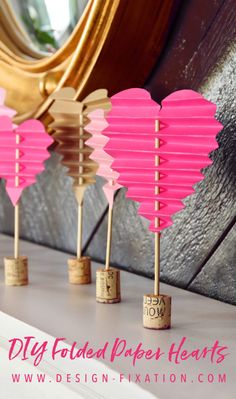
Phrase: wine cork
[108,285]
[16,270]
[79,270]
[157,311]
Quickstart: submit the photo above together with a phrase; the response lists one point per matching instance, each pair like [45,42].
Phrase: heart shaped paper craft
[22,152]
[70,121]
[159,166]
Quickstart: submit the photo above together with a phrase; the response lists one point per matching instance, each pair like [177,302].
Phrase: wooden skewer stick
[157,234]
[80,206]
[16,232]
[79,231]
[79,268]
[157,307]
[109,237]
[16,268]
[157,265]
[17,218]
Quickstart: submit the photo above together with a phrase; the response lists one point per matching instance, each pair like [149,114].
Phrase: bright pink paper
[33,151]
[97,142]
[186,136]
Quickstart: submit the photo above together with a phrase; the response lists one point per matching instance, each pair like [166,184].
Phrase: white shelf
[53,306]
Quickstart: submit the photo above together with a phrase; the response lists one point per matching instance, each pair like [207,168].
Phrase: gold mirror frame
[114,45]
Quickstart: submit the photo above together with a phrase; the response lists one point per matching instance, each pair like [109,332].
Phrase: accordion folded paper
[22,151]
[159,152]
[104,161]
[186,135]
[69,125]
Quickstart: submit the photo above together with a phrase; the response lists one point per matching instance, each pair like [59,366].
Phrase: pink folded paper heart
[98,141]
[22,152]
[186,135]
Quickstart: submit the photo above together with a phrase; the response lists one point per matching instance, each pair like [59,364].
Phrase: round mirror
[48,23]
[84,44]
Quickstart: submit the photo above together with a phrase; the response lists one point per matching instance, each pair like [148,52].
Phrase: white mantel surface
[50,307]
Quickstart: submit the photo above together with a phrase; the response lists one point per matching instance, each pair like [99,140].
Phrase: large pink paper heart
[22,152]
[186,135]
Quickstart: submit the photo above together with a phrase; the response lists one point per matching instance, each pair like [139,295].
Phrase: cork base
[16,271]
[157,312]
[79,270]
[108,286]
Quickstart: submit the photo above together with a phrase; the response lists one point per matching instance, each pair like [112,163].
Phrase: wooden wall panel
[217,277]
[200,38]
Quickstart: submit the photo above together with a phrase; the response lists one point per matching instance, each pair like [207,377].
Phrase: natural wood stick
[157,234]
[80,230]
[16,232]
[109,237]
[157,265]
[80,206]
[17,218]
[156,307]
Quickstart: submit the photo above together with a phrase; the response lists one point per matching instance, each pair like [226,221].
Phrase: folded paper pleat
[185,136]
[98,141]
[24,146]
[71,133]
